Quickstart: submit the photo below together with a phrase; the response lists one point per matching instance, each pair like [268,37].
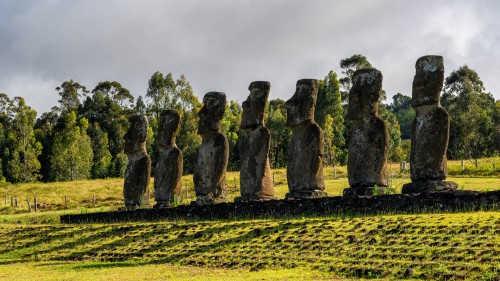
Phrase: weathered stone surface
[398,203]
[137,174]
[369,141]
[428,81]
[169,166]
[213,155]
[430,132]
[305,163]
[429,185]
[430,129]
[255,174]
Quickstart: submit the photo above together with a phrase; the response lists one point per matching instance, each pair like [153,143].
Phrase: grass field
[420,246]
[108,192]
[432,246]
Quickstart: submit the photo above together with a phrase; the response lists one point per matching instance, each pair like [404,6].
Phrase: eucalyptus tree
[471,108]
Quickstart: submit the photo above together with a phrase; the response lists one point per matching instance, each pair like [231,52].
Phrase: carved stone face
[428,80]
[168,127]
[214,105]
[364,94]
[254,106]
[300,107]
[135,138]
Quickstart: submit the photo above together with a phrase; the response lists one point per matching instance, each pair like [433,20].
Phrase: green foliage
[72,151]
[44,127]
[140,106]
[280,134]
[118,165]
[466,101]
[71,92]
[18,146]
[23,164]
[231,127]
[187,139]
[116,92]
[395,152]
[405,114]
[161,92]
[101,162]
[329,114]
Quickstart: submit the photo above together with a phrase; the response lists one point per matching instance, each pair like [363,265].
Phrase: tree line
[82,137]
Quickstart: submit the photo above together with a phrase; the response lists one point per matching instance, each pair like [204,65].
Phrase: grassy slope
[108,192]
[95,271]
[433,245]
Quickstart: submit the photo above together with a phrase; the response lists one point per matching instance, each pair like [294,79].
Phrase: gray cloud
[224,45]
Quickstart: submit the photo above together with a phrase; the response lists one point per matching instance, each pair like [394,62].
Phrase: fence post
[187,191]
[6,197]
[15,202]
[29,205]
[234,183]
[12,201]
[334,171]
[273,178]
[462,164]
[35,202]
[93,200]
[65,201]
[476,163]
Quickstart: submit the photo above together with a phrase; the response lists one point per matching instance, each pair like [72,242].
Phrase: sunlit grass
[434,246]
[108,192]
[96,271]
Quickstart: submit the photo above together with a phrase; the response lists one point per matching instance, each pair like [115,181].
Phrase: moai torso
[430,130]
[429,142]
[305,163]
[169,166]
[213,155]
[137,174]
[210,173]
[255,172]
[369,138]
[368,153]
[255,175]
[305,155]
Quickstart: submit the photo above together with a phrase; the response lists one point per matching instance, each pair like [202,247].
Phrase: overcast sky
[223,45]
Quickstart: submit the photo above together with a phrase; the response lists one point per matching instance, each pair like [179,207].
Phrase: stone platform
[461,200]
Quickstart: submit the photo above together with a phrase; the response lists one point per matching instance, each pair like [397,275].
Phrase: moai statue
[136,187]
[213,155]
[255,174]
[369,139]
[305,154]
[168,171]
[430,130]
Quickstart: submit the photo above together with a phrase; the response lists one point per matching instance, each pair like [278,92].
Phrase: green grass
[487,167]
[95,271]
[434,246]
[108,192]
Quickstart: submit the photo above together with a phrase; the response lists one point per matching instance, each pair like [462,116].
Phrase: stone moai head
[255,105]
[168,127]
[300,107]
[428,81]
[214,105]
[135,138]
[365,93]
